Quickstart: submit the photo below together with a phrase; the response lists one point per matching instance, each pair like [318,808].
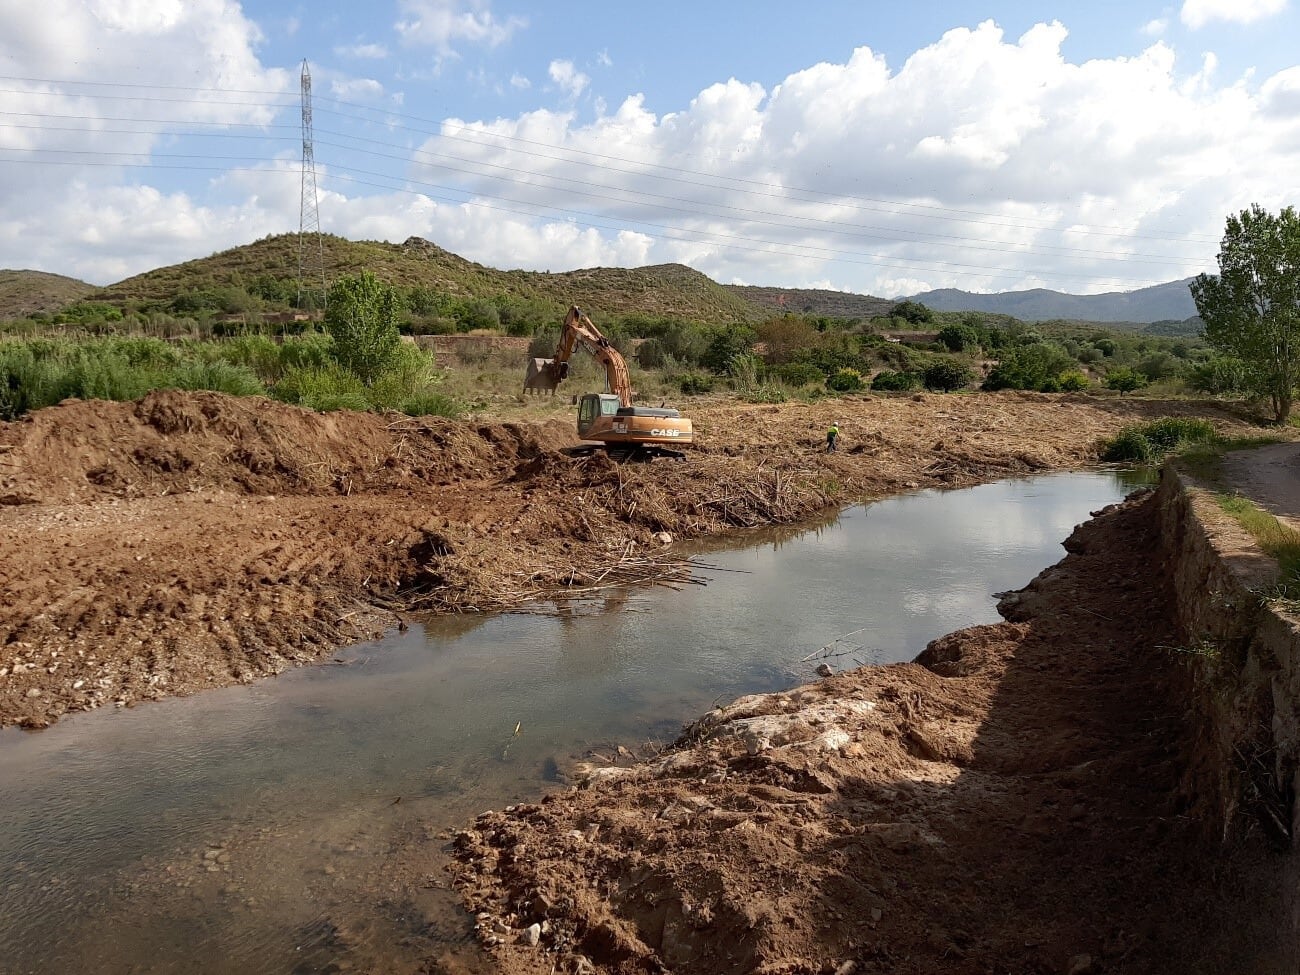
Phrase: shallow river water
[283,827]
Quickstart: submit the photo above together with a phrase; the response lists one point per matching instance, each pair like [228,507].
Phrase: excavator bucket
[544,375]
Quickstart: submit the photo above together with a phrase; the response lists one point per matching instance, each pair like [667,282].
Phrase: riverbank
[1050,794]
[194,540]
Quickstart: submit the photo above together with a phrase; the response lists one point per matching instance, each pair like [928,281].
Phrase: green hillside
[26,292]
[665,290]
[811,301]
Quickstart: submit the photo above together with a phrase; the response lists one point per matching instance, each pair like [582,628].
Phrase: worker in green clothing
[832,437]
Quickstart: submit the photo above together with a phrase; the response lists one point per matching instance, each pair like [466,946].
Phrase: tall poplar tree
[1251,308]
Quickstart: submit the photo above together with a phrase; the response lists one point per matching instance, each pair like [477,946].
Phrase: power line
[586,157]
[645,170]
[836,227]
[680,235]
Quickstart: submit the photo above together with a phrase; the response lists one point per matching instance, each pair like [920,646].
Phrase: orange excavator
[625,431]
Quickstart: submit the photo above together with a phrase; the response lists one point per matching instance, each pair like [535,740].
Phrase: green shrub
[258,353]
[846,381]
[312,350]
[221,377]
[1125,380]
[946,376]
[433,404]
[1131,445]
[1074,382]
[799,374]
[896,382]
[99,373]
[362,319]
[1147,442]
[1171,432]
[322,389]
[726,344]
[691,383]
[959,338]
[764,393]
[652,354]
[1028,366]
[410,375]
[27,382]
[1220,376]
[746,369]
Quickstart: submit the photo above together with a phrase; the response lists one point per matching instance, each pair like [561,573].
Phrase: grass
[35,373]
[1146,443]
[1274,538]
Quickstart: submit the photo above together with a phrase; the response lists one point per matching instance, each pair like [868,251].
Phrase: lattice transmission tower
[311,247]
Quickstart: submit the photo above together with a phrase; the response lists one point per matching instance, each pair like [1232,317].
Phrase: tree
[959,338]
[945,376]
[362,319]
[913,312]
[1251,308]
[726,344]
[1028,367]
[1125,380]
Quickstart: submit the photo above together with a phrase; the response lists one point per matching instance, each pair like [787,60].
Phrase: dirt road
[195,540]
[1269,476]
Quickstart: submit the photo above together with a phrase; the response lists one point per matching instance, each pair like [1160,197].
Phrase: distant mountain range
[671,290]
[1161,302]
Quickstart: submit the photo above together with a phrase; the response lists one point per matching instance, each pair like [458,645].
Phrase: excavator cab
[593,407]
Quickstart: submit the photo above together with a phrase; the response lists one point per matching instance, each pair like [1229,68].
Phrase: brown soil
[194,540]
[1011,802]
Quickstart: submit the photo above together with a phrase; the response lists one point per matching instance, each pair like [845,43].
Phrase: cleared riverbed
[293,825]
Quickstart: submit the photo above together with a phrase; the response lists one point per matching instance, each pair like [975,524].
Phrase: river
[297,825]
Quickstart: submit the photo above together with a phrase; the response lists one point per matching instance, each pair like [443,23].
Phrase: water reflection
[113,826]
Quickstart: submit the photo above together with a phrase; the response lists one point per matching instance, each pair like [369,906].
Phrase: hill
[671,290]
[25,292]
[805,301]
[1162,302]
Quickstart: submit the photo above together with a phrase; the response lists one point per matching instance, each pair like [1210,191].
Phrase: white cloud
[567,78]
[1197,13]
[519,81]
[354,88]
[604,60]
[1156,28]
[1010,167]
[443,24]
[362,51]
[981,162]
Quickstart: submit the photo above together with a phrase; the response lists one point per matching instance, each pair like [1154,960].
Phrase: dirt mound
[1011,802]
[171,442]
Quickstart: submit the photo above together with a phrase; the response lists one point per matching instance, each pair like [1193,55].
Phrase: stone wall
[1244,657]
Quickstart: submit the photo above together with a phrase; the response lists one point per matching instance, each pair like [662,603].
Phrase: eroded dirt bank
[1014,801]
[194,540]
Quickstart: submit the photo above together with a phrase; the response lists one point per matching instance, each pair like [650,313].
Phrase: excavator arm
[580,330]
[610,418]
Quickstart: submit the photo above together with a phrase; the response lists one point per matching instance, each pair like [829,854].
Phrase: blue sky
[868,147]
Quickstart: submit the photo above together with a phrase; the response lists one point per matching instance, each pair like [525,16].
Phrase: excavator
[625,431]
